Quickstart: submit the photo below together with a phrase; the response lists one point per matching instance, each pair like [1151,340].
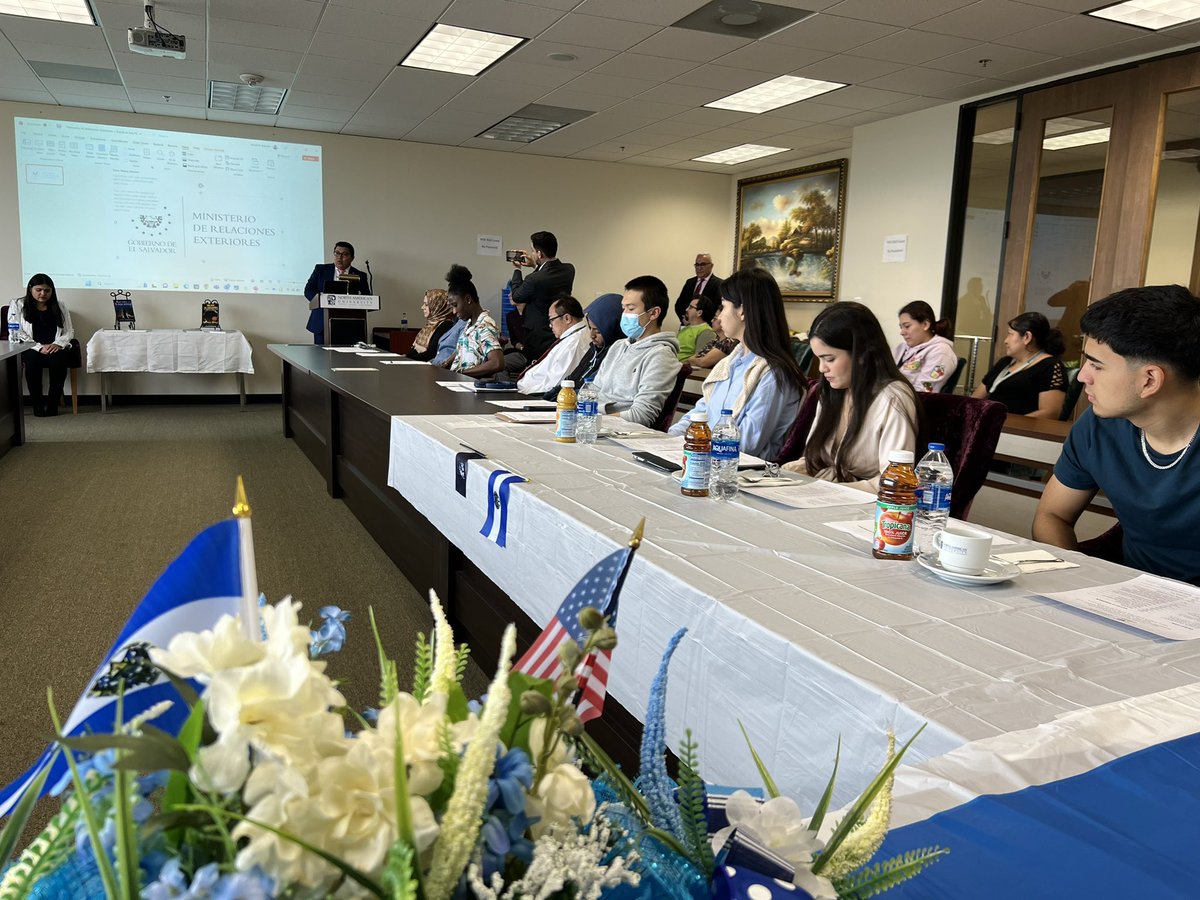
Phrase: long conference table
[12,403]
[795,630]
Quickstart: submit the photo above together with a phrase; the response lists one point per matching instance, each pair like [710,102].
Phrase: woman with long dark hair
[865,409]
[43,320]
[926,355]
[1030,380]
[760,380]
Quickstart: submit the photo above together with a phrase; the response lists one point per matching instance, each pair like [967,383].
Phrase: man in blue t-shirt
[1141,372]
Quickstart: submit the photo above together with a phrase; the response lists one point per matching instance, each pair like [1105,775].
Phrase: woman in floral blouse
[478,353]
[926,356]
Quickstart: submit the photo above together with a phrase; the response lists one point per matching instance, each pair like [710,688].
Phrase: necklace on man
[1173,463]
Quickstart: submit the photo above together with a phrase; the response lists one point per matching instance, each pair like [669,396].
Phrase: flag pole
[251,627]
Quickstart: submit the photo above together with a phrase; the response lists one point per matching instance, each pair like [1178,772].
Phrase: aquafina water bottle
[726,449]
[935,479]
[588,419]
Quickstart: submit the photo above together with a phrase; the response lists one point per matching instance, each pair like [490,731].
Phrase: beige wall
[412,210]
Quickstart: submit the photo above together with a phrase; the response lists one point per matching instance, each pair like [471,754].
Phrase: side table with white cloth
[169,351]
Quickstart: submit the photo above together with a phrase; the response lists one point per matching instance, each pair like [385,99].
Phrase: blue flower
[511,778]
[330,637]
[207,884]
[653,781]
[101,762]
[502,840]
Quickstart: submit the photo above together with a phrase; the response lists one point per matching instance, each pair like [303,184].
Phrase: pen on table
[537,408]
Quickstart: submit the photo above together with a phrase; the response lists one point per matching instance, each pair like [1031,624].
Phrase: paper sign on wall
[895,248]
[488,244]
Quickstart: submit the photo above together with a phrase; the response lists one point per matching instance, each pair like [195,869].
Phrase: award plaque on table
[123,310]
[210,316]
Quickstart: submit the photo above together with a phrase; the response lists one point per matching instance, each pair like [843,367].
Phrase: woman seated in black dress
[1030,380]
[43,320]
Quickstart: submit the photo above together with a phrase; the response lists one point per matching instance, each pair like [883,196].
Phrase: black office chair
[952,381]
[672,402]
[1074,391]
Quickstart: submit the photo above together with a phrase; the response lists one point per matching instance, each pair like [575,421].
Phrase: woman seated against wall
[1031,379]
[865,409]
[43,320]
[439,319]
[760,380]
[926,355]
[697,326]
[715,350]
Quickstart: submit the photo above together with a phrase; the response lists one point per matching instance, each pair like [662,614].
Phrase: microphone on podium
[370,277]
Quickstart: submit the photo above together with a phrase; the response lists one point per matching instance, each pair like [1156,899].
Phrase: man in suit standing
[703,284]
[550,279]
[343,255]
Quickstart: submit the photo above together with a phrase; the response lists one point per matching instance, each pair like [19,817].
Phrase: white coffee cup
[963,550]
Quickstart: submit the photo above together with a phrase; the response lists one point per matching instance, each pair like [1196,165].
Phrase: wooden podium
[344,317]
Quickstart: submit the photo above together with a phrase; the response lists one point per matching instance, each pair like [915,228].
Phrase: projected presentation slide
[112,207]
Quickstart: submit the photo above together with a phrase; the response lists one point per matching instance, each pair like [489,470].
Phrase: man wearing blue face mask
[638,373]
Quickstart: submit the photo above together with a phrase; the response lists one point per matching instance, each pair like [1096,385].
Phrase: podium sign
[368,302]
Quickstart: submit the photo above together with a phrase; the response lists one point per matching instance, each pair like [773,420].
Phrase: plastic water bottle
[587,421]
[12,331]
[726,449]
[935,479]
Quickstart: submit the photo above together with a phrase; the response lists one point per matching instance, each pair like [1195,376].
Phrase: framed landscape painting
[790,224]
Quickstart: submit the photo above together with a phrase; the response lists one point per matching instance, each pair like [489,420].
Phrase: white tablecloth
[169,351]
[795,629]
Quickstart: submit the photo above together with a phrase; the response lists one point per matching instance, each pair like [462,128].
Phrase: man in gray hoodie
[639,373]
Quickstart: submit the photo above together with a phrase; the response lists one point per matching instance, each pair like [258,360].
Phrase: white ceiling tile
[863,118]
[612,85]
[914,47]
[545,77]
[253,59]
[301,124]
[297,13]
[594,31]
[889,12]
[1138,46]
[501,16]
[538,52]
[164,83]
[318,100]
[1001,60]
[166,109]
[412,93]
[848,69]
[990,19]
[639,65]
[255,34]
[832,34]
[684,43]
[734,135]
[713,118]
[59,87]
[316,113]
[25,95]
[810,111]
[500,97]
[825,131]
[722,78]
[23,31]
[347,69]
[178,98]
[674,130]
[342,87]
[243,118]
[660,12]
[357,49]
[1055,68]
[153,65]
[571,99]
[778,59]
[90,101]
[921,81]
[904,107]
[386,131]
[862,97]
[973,89]
[1068,37]
[232,71]
[682,94]
[1068,6]
[653,110]
[599,156]
[413,9]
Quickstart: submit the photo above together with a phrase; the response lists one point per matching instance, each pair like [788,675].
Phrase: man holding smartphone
[550,279]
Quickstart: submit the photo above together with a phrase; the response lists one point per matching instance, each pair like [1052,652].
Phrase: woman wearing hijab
[439,318]
[604,325]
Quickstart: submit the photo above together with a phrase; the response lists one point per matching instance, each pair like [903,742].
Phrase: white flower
[777,823]
[537,739]
[564,793]
[818,886]
[420,726]
[198,654]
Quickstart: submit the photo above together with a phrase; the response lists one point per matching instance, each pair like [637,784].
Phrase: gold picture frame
[790,223]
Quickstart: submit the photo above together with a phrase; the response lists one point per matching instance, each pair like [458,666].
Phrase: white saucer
[995,572]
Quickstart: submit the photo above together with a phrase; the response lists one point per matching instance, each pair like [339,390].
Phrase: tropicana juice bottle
[896,508]
[697,457]
[565,416]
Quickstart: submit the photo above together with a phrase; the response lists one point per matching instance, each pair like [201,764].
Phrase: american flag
[599,588]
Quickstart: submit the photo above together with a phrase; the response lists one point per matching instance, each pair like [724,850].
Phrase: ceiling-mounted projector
[157,43]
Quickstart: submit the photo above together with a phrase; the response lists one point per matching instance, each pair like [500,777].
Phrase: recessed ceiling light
[533,121]
[251,98]
[463,51]
[1078,139]
[739,154]
[57,10]
[1153,15]
[781,91]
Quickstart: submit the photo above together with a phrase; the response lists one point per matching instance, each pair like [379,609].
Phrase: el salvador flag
[201,585]
[495,527]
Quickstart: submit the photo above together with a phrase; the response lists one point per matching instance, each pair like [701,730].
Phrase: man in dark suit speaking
[704,284]
[343,255]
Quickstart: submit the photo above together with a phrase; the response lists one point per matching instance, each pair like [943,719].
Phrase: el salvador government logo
[152,225]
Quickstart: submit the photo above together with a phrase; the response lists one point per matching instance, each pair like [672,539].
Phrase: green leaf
[151,751]
[354,874]
[422,667]
[693,799]
[515,732]
[879,877]
[389,683]
[767,780]
[604,764]
[818,815]
[398,878]
[21,812]
[860,807]
[129,872]
[457,709]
